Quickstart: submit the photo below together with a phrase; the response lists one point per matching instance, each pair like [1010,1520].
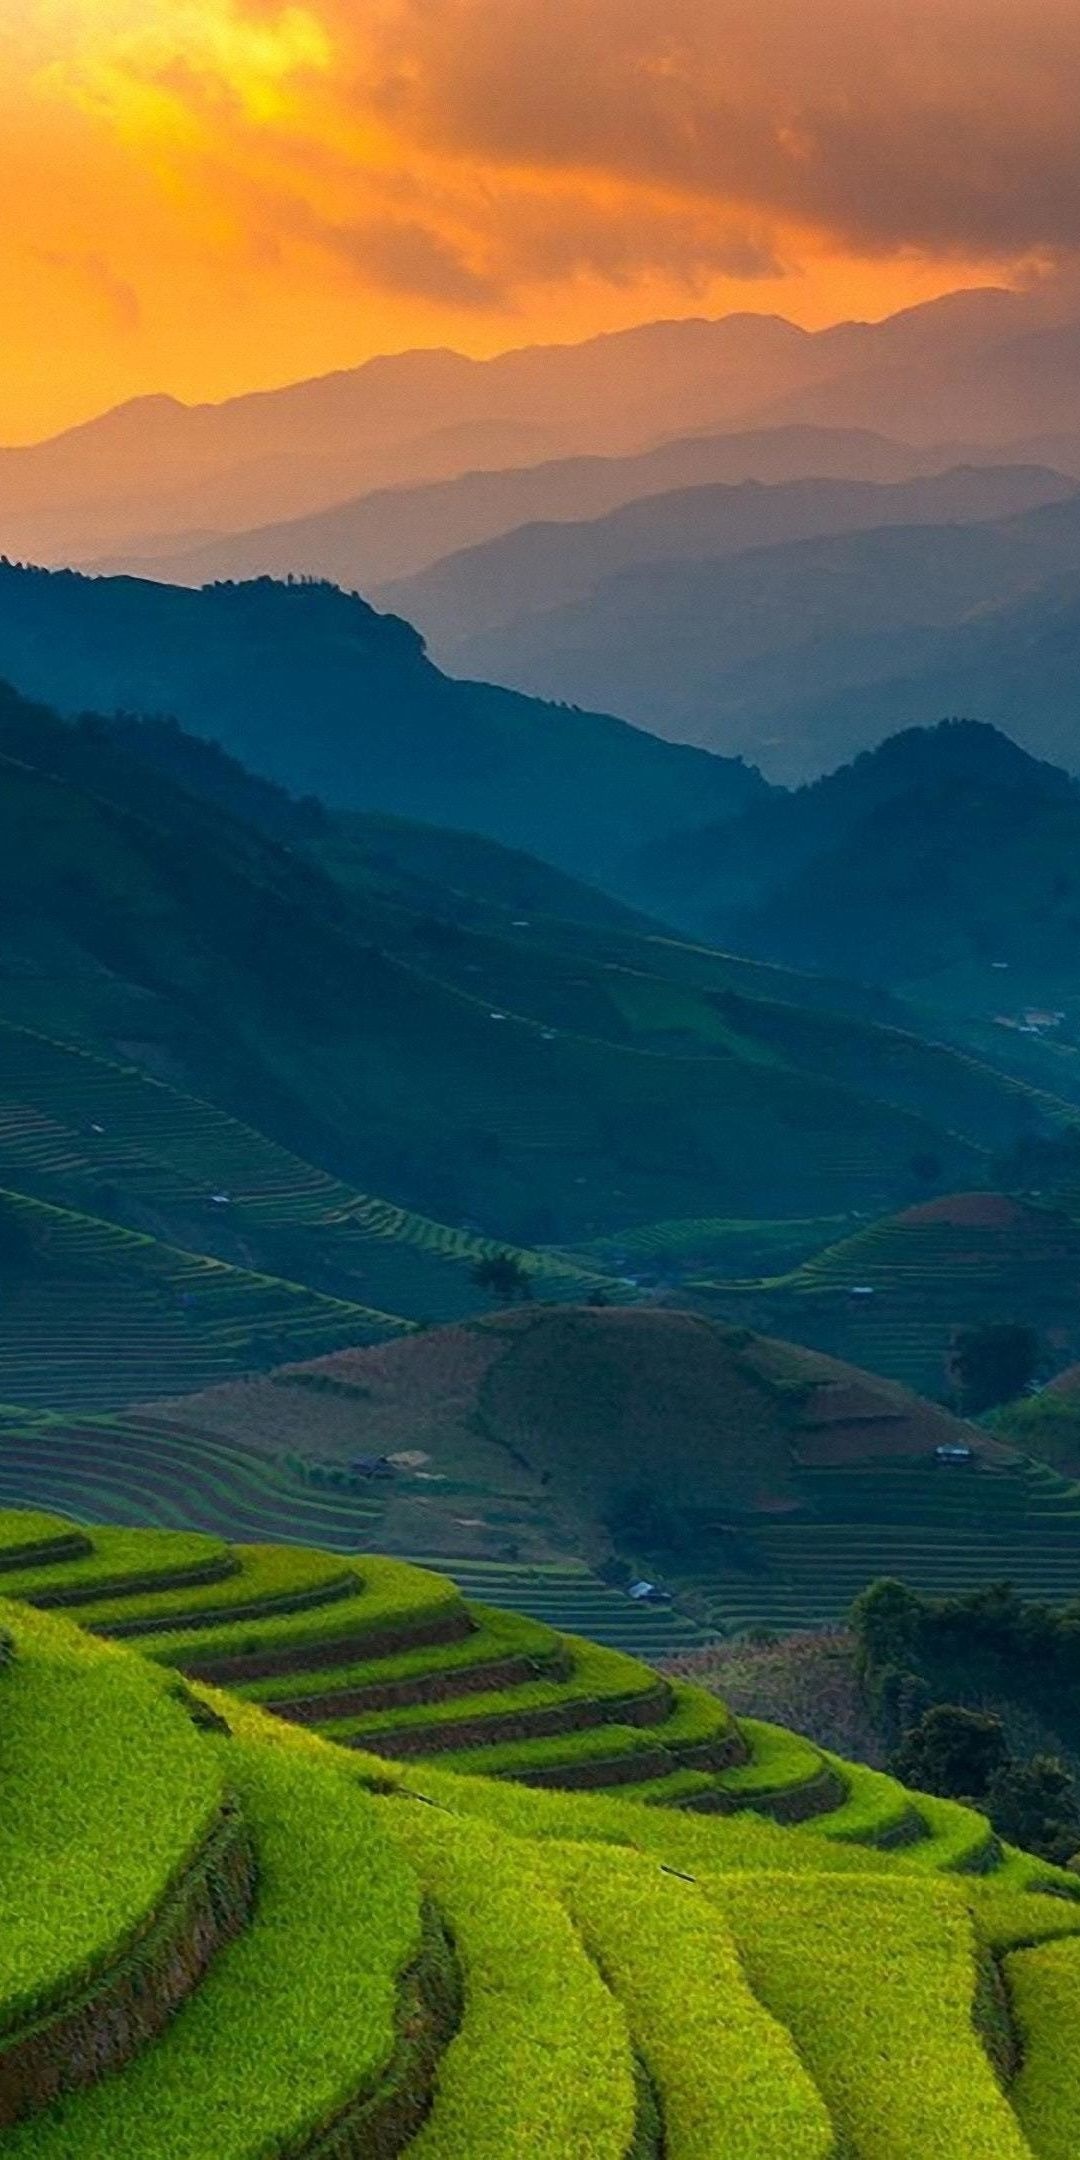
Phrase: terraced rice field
[391,1659]
[98,1316]
[938,1528]
[76,1127]
[889,1298]
[265,1947]
[574,1599]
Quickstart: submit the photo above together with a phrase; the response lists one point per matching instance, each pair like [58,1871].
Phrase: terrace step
[603,1687]
[543,2061]
[131,1864]
[318,2028]
[727,2076]
[260,1582]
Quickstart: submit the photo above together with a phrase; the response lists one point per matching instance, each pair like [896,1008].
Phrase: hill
[939,865]
[767,1482]
[319,1957]
[506,597]
[890,1297]
[395,532]
[383,729]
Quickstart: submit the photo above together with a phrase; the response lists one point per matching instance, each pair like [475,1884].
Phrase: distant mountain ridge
[395,532]
[802,653]
[157,467]
[490,603]
[315,690]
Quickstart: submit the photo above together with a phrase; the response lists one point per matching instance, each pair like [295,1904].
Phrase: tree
[504,1276]
[952,1752]
[992,1363]
[1035,1805]
[886,1619]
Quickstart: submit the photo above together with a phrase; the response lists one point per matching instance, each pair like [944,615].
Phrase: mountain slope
[890,1296]
[394,532]
[319,1956]
[765,1482]
[485,592]
[381,730]
[781,648]
[543,1082]
[945,848]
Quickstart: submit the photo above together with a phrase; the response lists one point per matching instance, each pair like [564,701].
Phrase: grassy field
[294,1947]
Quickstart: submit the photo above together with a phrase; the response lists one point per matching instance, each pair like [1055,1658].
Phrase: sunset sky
[202,196]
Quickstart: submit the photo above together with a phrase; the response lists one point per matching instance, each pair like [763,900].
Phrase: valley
[539,1170]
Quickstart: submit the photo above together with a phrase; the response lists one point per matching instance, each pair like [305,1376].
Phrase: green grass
[120,1559]
[696,1721]
[108,1796]
[780,1762]
[392,1594]
[772,1990]
[26,1538]
[265,1579]
[541,2065]
[603,1680]
[729,2079]
[497,1635]
[1044,1984]
[876,1811]
[296,2019]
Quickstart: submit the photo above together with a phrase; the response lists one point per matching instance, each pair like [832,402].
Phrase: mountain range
[798,655]
[986,366]
[542,599]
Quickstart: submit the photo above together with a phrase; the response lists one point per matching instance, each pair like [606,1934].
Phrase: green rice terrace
[344,1865]
[86,1133]
[889,1296]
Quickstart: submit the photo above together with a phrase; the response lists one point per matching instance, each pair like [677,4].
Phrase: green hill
[93,1316]
[940,866]
[257,1942]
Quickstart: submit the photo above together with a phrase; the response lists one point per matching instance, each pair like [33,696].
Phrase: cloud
[879,124]
[289,184]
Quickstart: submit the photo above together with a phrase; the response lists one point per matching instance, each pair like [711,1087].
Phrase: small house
[954,1451]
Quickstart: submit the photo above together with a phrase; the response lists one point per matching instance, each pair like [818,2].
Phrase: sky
[206,196]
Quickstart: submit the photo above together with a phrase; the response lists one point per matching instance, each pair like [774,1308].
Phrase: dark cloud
[938,125]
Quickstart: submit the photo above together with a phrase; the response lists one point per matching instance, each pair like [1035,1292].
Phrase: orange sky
[205,195]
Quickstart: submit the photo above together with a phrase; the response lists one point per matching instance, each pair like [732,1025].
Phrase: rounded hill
[580,1405]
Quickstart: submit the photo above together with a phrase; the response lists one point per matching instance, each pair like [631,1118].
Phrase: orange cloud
[217,192]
